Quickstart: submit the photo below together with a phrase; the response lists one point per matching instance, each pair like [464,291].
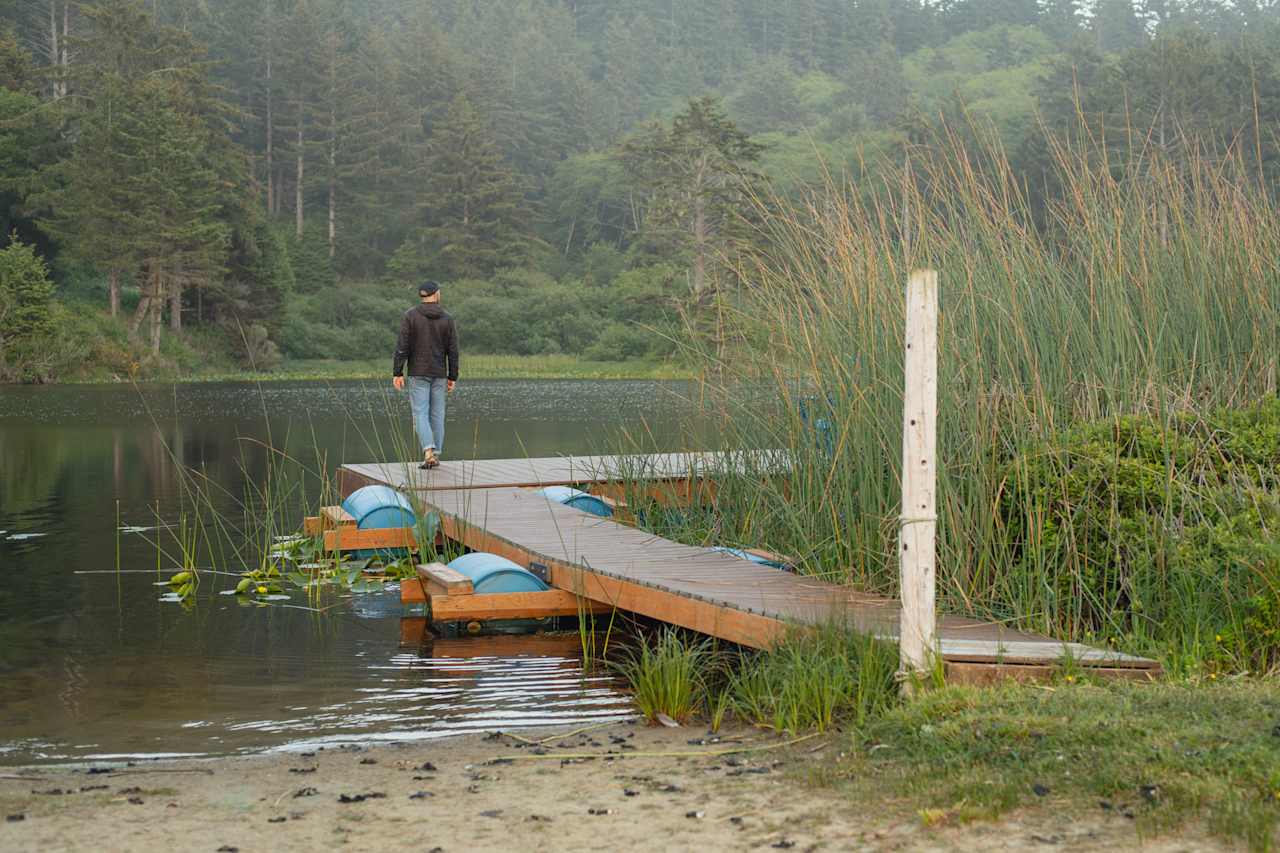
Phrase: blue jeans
[426,401]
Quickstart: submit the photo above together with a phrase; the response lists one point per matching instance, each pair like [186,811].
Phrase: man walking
[428,344]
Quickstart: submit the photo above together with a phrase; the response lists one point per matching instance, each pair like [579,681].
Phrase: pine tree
[696,178]
[146,186]
[1116,26]
[475,216]
[26,298]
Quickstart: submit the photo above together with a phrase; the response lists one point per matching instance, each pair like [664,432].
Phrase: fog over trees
[264,178]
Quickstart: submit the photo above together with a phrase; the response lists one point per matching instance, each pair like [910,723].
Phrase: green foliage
[697,178]
[26,313]
[1159,528]
[458,140]
[816,679]
[352,322]
[16,68]
[476,219]
[668,674]
[309,261]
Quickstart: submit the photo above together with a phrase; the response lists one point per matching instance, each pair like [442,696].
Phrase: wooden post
[917,525]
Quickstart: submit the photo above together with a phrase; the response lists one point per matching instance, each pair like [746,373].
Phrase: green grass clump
[812,680]
[1163,754]
[816,679]
[669,674]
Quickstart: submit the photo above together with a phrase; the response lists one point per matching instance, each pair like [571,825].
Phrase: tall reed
[1145,287]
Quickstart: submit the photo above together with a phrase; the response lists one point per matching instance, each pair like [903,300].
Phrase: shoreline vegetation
[478,366]
[1072,765]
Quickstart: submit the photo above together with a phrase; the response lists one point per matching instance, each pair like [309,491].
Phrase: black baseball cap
[428,287]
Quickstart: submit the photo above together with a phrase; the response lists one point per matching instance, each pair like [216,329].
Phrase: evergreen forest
[246,184]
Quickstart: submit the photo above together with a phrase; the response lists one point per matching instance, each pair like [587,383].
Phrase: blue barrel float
[490,573]
[377,508]
[577,499]
[747,555]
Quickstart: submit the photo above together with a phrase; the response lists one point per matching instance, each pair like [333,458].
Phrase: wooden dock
[489,505]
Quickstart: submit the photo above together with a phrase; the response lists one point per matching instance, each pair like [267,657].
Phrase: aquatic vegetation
[668,674]
[815,679]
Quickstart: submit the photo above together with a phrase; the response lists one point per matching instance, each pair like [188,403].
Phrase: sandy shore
[499,792]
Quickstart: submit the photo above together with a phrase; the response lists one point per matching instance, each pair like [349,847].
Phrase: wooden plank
[336,516]
[918,522]
[769,555]
[987,674]
[510,605]
[312,525]
[413,632]
[412,591]
[350,539]
[439,579]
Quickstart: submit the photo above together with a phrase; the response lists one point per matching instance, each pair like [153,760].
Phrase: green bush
[1159,529]
[620,342]
[26,314]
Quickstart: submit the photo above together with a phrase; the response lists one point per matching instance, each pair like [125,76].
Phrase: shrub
[1159,528]
[26,313]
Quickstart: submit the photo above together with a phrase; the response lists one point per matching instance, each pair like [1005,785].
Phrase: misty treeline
[267,176]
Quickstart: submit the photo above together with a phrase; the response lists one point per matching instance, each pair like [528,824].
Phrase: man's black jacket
[428,343]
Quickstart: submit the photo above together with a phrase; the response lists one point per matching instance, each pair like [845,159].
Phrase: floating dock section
[493,506]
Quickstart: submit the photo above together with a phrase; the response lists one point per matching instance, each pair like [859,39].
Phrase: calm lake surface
[94,666]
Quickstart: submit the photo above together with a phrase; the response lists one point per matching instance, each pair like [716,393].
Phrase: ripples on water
[95,667]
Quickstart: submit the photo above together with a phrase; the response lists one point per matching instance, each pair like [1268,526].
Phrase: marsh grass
[815,679]
[1146,288]
[669,674]
[1164,755]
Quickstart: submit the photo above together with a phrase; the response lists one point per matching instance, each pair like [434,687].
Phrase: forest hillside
[188,186]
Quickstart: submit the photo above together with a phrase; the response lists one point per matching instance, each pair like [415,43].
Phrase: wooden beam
[439,579]
[987,674]
[770,556]
[412,591]
[510,605]
[336,516]
[312,525]
[917,525]
[351,539]
[413,631]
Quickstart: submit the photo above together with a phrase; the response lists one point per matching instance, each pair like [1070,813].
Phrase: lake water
[94,666]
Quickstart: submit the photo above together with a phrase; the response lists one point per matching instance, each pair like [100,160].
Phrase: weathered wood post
[918,522]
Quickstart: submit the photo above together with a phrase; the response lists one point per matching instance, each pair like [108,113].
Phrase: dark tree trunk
[175,304]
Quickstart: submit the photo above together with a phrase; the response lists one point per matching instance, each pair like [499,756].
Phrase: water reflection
[94,665]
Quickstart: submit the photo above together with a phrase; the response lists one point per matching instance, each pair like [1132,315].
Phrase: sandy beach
[621,786]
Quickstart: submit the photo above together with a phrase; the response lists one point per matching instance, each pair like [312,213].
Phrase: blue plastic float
[377,508]
[577,499]
[491,573]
